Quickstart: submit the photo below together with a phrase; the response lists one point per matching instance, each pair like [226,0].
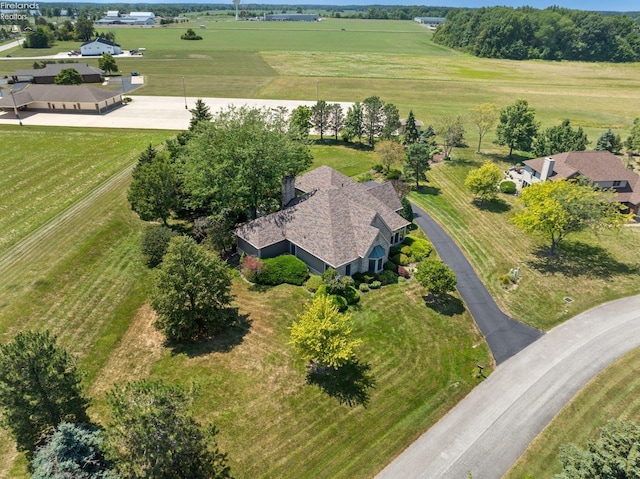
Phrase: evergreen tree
[417,160]
[391,121]
[201,113]
[411,133]
[559,139]
[609,141]
[320,117]
[354,123]
[336,119]
[373,116]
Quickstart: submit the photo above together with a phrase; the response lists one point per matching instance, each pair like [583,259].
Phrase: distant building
[114,17]
[62,98]
[431,22]
[291,17]
[99,46]
[47,75]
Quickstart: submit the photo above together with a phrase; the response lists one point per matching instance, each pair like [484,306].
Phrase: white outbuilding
[100,46]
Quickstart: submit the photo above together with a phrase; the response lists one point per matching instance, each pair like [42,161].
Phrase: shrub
[313,283]
[401,259]
[403,273]
[251,267]
[322,290]
[390,266]
[330,275]
[406,250]
[379,168]
[508,187]
[283,269]
[364,177]
[351,295]
[375,285]
[407,211]
[420,248]
[364,287]
[394,175]
[154,243]
[388,277]
[339,301]
[394,250]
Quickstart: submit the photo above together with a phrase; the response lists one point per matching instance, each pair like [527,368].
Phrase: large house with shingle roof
[601,167]
[329,220]
[60,98]
[47,75]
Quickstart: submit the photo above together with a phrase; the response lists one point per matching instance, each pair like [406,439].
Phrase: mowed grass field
[77,271]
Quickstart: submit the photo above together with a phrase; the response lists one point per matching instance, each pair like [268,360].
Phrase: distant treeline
[551,34]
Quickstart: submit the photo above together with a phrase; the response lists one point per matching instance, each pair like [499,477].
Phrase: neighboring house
[329,220]
[601,167]
[62,98]
[291,17]
[47,75]
[100,46]
[431,22]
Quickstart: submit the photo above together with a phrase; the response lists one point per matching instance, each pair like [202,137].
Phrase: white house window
[292,249]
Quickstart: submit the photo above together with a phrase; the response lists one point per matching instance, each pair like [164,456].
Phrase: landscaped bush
[364,287]
[406,250]
[379,168]
[322,290]
[508,187]
[313,283]
[401,259]
[351,295]
[420,248]
[394,250]
[283,269]
[390,266]
[375,285]
[154,243]
[388,277]
[251,267]
[365,277]
[407,211]
[403,272]
[394,175]
[339,301]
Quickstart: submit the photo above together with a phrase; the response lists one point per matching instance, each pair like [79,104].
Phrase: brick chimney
[288,189]
[547,168]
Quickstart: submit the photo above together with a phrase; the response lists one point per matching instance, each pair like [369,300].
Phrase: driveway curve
[504,335]
[491,428]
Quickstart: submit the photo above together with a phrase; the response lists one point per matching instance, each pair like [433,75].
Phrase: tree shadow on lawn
[428,190]
[575,258]
[446,304]
[222,342]
[515,159]
[496,205]
[349,384]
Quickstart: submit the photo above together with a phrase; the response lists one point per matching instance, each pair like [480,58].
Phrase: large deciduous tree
[68,76]
[39,388]
[390,152]
[555,209]
[373,115]
[614,455]
[107,63]
[436,276]
[391,121]
[153,190]
[320,117]
[153,435]
[517,127]
[323,335]
[72,451]
[300,123]
[191,292]
[560,138]
[416,162]
[451,130]
[483,182]
[484,117]
[238,160]
[84,29]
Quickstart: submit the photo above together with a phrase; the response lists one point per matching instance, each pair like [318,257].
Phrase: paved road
[491,428]
[505,336]
[10,45]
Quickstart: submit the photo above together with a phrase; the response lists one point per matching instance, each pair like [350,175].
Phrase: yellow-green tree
[323,335]
[554,209]
[484,117]
[483,181]
[390,153]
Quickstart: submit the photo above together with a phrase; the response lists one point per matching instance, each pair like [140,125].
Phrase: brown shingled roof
[58,93]
[598,166]
[334,222]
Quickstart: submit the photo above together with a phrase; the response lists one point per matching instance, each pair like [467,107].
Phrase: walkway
[488,430]
[505,336]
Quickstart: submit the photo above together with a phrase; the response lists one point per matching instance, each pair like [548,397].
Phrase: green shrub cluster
[388,277]
[283,269]
[364,287]
[155,242]
[412,250]
[508,187]
[313,283]
[340,302]
[375,285]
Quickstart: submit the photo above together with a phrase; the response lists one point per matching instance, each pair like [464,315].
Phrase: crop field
[69,245]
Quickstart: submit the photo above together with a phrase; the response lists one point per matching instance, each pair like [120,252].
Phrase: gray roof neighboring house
[334,220]
[53,69]
[57,93]
[100,40]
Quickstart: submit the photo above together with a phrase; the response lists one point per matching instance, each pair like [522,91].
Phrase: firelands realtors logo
[13,10]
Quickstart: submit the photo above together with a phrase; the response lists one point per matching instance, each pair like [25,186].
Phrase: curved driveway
[505,336]
[490,428]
